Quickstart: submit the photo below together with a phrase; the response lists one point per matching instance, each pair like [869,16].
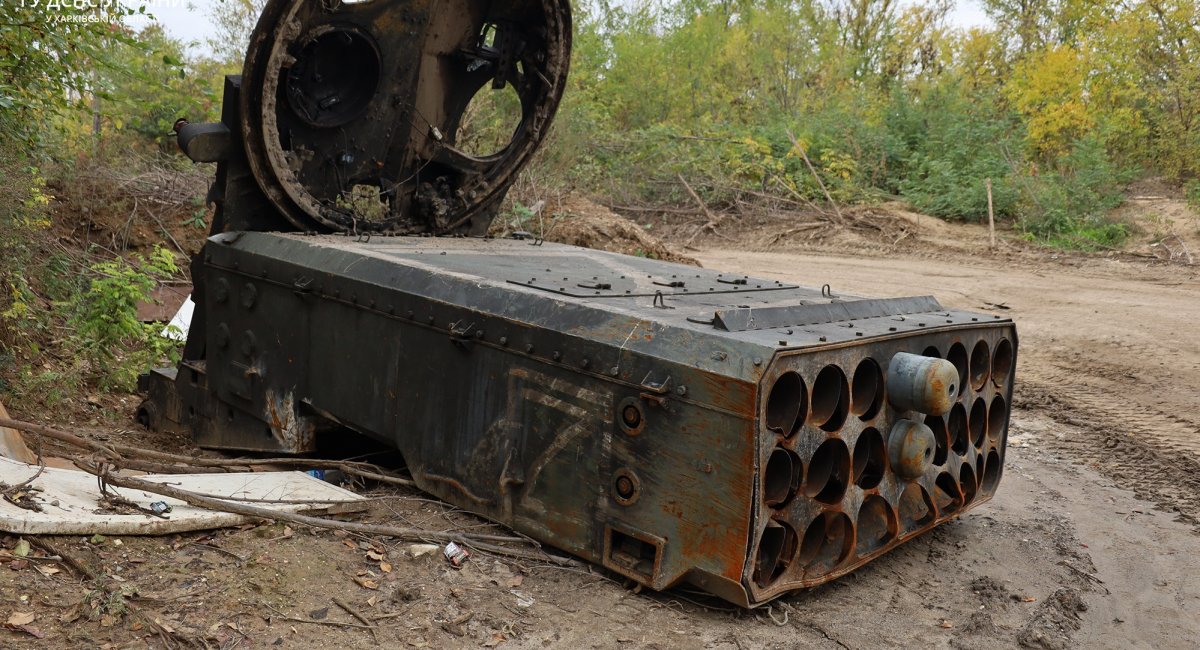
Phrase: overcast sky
[188,20]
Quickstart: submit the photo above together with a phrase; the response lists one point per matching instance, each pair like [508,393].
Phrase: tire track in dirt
[1112,439]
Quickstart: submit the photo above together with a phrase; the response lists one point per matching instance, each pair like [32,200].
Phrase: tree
[233,20]
[1049,88]
[49,57]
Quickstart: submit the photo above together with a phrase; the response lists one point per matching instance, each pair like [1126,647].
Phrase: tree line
[1058,102]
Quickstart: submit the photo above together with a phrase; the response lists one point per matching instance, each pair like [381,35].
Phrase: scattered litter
[524,600]
[181,322]
[417,550]
[76,497]
[160,507]
[456,554]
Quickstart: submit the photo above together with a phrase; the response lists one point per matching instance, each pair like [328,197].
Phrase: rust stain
[294,434]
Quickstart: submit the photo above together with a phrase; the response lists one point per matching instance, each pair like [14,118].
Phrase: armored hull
[671,423]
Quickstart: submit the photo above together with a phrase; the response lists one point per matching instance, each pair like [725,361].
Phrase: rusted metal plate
[164,302]
[375,95]
[616,428]
[605,283]
[832,311]
[848,500]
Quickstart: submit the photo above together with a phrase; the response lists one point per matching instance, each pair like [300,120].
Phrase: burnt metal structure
[673,424]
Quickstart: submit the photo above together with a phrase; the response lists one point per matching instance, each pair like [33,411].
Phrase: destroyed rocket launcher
[673,424]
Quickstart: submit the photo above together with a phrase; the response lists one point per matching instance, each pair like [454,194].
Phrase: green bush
[1068,207]
[1191,192]
[107,330]
[955,149]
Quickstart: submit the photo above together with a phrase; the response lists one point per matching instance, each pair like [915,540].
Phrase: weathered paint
[513,403]
[614,407]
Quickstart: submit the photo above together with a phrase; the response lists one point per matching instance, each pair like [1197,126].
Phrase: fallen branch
[312,621]
[653,209]
[355,613]
[711,224]
[6,557]
[791,231]
[69,560]
[813,170]
[480,542]
[224,504]
[118,453]
[11,493]
[799,196]
[61,436]
[166,232]
[218,549]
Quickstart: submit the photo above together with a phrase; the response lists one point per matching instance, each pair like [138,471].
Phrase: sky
[188,20]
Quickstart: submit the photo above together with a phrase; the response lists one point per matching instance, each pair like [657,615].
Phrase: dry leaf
[367,582]
[107,620]
[21,618]
[371,601]
[21,549]
[945,624]
[70,616]
[386,567]
[350,545]
[46,570]
[1029,599]
[374,555]
[516,581]
[496,640]
[28,629]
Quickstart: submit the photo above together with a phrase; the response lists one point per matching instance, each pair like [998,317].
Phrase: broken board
[79,510]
